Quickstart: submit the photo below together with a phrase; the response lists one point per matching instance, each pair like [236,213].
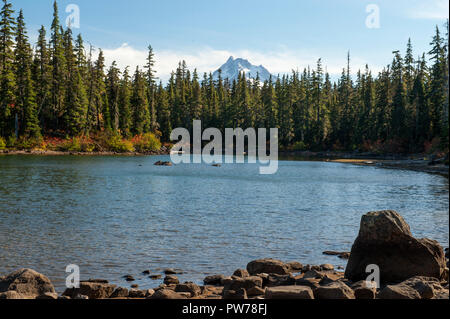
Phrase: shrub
[299,146]
[119,145]
[25,143]
[146,143]
[11,142]
[2,143]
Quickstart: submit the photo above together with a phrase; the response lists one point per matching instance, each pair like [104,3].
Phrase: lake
[115,216]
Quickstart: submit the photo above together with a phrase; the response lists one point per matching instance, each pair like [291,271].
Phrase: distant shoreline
[414,162]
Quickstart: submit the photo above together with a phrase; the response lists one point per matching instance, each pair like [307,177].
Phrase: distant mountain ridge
[233,67]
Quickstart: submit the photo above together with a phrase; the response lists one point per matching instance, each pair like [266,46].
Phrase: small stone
[242,273]
[149,293]
[120,292]
[295,266]
[166,294]
[214,280]
[326,267]
[289,292]
[335,290]
[269,266]
[255,291]
[48,296]
[129,278]
[170,271]
[136,293]
[190,288]
[398,292]
[155,277]
[235,294]
[364,291]
[146,272]
[171,279]
[10,294]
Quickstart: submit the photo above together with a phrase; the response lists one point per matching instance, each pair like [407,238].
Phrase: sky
[281,35]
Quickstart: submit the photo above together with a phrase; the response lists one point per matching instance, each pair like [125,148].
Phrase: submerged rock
[385,240]
[161,163]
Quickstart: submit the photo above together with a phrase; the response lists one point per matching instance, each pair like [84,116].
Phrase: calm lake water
[115,216]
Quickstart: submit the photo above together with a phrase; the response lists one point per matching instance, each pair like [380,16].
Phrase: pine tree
[398,124]
[164,112]
[42,80]
[139,105]
[58,88]
[151,87]
[26,106]
[112,89]
[438,83]
[76,99]
[125,120]
[7,79]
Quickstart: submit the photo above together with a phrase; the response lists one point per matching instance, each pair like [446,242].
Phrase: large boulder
[385,240]
[268,266]
[27,283]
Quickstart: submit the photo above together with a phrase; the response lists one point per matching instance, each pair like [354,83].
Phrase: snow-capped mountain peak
[233,67]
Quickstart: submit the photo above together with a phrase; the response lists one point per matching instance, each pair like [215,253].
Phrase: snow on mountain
[233,66]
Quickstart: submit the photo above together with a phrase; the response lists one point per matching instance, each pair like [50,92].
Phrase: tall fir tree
[26,106]
[8,110]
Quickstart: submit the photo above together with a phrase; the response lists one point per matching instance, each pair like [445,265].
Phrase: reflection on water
[114,216]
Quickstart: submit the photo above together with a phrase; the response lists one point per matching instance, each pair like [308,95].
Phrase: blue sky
[281,35]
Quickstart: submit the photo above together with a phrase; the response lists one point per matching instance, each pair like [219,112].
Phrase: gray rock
[385,240]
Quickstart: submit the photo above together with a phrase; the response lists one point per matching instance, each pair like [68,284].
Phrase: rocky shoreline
[409,268]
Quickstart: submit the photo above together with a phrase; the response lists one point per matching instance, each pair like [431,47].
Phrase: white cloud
[207,59]
[436,9]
